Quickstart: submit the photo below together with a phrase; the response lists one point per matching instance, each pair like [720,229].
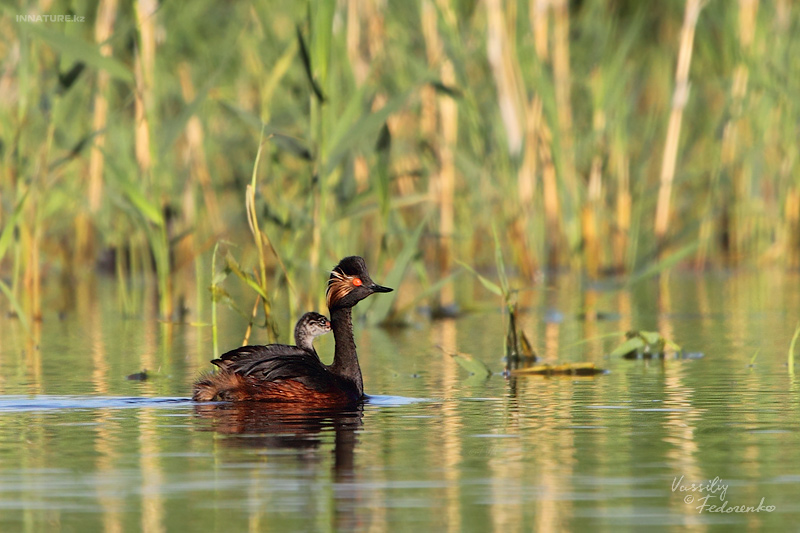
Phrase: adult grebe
[281,373]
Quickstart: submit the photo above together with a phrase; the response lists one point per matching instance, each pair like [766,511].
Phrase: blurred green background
[611,138]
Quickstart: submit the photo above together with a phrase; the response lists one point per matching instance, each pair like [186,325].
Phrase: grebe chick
[280,373]
[310,326]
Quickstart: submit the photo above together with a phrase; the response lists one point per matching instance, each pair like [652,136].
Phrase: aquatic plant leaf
[501,267]
[172,129]
[382,307]
[664,264]
[11,223]
[790,358]
[471,365]
[495,288]
[673,346]
[147,209]
[232,265]
[307,66]
[366,127]
[68,78]
[442,88]
[651,337]
[80,50]
[566,369]
[5,289]
[631,345]
[526,348]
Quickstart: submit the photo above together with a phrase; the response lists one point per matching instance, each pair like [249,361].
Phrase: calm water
[84,449]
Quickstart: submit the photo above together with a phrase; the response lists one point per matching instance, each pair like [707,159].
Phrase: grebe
[281,373]
[310,326]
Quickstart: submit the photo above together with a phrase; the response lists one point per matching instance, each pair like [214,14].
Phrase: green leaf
[664,264]
[308,67]
[500,264]
[486,283]
[471,365]
[673,346]
[630,345]
[322,37]
[382,306]
[651,337]
[364,131]
[171,129]
[790,358]
[10,224]
[5,289]
[78,49]
[232,265]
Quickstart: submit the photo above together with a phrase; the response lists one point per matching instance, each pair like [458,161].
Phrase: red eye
[357,282]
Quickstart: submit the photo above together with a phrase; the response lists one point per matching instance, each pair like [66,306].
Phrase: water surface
[82,448]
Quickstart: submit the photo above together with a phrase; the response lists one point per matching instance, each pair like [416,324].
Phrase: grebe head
[350,283]
[313,325]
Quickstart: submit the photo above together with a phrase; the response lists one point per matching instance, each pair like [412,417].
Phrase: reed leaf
[381,308]
[10,224]
[77,49]
[471,364]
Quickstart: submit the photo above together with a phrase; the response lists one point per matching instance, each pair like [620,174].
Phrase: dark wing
[276,362]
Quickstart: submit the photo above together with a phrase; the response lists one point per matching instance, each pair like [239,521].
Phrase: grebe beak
[379,288]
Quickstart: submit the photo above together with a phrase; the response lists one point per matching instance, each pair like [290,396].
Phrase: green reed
[400,131]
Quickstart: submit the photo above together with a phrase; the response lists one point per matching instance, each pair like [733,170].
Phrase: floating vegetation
[645,345]
[564,369]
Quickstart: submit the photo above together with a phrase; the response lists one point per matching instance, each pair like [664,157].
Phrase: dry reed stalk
[106,15]
[358,62]
[526,175]
[196,152]
[505,70]
[792,225]
[590,212]
[537,12]
[33,271]
[428,123]
[621,167]
[741,222]
[448,113]
[538,146]
[589,220]
[144,72]
[429,113]
[552,207]
[253,314]
[729,146]
[104,26]
[679,98]
[376,28]
[526,184]
[562,80]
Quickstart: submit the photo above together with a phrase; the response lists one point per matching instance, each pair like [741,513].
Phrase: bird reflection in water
[272,426]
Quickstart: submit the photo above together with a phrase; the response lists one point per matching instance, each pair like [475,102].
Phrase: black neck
[345,358]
